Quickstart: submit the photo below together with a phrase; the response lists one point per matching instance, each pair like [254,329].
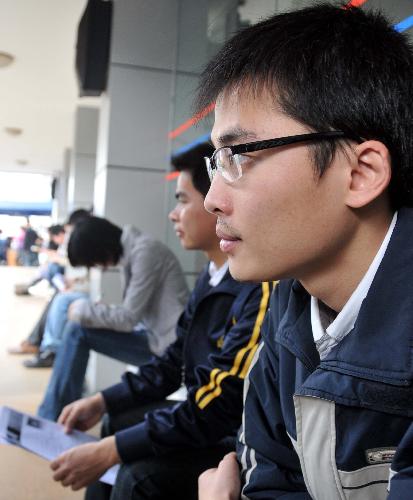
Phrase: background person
[165,449]
[51,269]
[74,281]
[29,257]
[143,325]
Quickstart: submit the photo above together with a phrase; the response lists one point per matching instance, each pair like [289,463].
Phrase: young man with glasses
[312,184]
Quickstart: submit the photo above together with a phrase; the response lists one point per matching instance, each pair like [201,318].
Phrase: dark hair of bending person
[95,241]
[78,215]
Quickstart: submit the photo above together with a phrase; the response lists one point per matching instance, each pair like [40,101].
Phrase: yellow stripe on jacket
[210,391]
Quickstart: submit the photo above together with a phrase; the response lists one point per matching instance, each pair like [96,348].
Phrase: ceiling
[38,92]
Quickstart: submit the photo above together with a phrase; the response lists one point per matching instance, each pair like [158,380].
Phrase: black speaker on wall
[93,46]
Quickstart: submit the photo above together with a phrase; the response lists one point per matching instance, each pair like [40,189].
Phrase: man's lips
[228,241]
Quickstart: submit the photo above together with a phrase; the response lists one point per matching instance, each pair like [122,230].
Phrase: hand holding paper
[84,464]
[83,414]
[67,451]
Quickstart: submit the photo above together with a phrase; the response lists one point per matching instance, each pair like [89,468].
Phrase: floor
[23,476]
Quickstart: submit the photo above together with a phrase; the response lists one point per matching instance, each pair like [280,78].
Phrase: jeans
[168,477]
[29,258]
[53,269]
[36,335]
[57,320]
[48,272]
[66,381]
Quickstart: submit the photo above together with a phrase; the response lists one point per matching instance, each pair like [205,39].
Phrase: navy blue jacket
[329,429]
[217,336]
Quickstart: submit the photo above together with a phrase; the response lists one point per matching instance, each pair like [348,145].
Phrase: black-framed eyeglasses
[228,160]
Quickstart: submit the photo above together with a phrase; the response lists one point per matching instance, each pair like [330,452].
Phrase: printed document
[43,437]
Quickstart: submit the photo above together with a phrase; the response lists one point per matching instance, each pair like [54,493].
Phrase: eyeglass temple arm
[284,141]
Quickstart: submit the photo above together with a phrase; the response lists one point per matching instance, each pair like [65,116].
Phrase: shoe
[44,359]
[23,348]
[21,289]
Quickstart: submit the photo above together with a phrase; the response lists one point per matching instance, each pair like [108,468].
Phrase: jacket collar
[226,285]
[380,345]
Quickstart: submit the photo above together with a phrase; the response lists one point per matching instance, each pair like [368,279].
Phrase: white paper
[43,437]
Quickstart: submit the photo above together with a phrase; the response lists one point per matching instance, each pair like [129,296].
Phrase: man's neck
[335,282]
[216,256]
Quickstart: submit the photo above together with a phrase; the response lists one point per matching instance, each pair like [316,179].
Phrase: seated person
[155,292]
[217,336]
[52,268]
[74,281]
[313,184]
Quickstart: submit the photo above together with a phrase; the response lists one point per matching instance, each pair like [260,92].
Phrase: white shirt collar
[345,320]
[216,274]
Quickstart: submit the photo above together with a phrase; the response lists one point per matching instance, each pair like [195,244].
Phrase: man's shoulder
[138,240]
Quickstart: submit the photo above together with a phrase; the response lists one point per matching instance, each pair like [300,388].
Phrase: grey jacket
[155,292]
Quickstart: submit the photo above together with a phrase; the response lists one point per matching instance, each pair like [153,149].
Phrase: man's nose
[217,200]
[173,215]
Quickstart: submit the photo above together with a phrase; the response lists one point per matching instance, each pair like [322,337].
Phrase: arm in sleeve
[270,465]
[213,407]
[146,266]
[156,379]
[401,471]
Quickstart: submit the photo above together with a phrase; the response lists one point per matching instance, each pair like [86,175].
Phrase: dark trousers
[168,477]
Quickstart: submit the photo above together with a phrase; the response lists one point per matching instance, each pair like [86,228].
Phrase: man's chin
[242,272]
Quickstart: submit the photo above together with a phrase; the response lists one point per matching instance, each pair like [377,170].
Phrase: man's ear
[370,173]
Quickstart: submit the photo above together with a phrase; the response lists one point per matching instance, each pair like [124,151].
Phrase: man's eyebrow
[235,135]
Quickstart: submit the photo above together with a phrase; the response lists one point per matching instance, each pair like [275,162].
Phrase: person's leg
[32,258]
[171,476]
[55,276]
[110,425]
[32,343]
[57,319]
[66,382]
[52,269]
[23,288]
[36,335]
[53,332]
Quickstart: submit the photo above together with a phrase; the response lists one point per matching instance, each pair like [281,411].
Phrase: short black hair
[56,229]
[192,161]
[95,241]
[78,215]
[330,68]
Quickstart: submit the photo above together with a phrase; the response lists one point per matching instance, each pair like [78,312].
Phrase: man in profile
[312,184]
[164,445]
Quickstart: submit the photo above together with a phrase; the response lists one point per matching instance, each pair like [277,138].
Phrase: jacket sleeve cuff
[118,398]
[134,443]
